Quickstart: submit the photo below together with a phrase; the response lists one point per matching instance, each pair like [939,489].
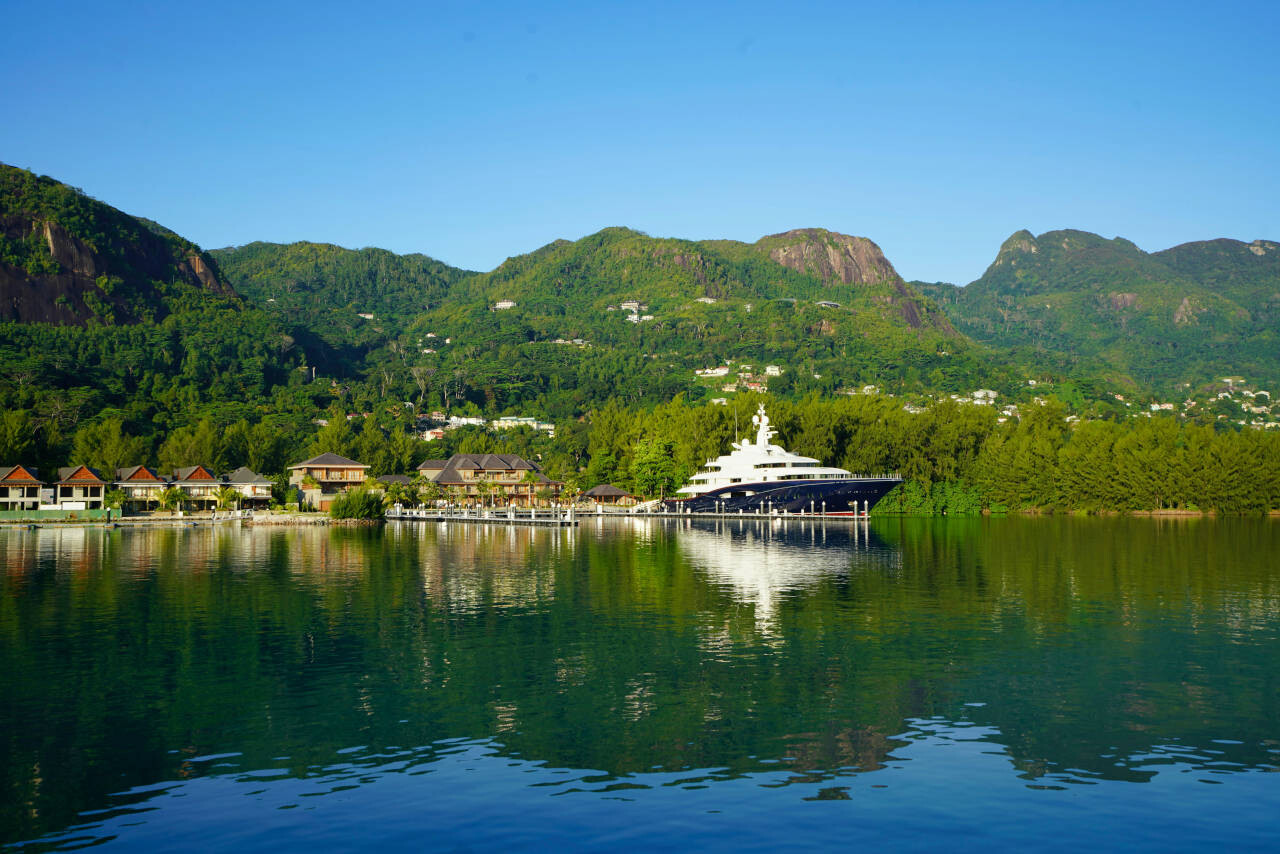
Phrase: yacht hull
[843,495]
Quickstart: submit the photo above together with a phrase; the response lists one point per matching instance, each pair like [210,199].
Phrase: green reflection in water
[1092,647]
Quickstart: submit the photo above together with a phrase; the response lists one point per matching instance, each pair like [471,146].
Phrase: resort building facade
[492,478]
[80,488]
[323,478]
[19,488]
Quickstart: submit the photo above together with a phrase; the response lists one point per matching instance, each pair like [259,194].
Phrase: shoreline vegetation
[955,458]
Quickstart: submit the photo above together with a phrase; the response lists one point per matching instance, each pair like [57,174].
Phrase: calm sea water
[913,685]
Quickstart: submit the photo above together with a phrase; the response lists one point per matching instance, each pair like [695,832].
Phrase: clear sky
[476,131]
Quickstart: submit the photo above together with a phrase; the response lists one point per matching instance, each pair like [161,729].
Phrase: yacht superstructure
[756,474]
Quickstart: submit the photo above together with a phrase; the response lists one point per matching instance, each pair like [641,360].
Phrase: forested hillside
[123,343]
[70,260]
[352,300]
[1096,306]
[117,333]
[620,314]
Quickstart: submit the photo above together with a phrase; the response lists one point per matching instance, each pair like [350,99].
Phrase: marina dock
[562,517]
[555,517]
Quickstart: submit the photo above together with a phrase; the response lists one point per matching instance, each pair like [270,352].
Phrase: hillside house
[503,305]
[322,478]
[79,488]
[19,488]
[491,479]
[512,422]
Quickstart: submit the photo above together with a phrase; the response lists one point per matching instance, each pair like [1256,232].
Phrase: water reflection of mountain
[761,562]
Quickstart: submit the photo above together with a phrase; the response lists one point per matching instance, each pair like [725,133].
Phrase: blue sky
[473,132]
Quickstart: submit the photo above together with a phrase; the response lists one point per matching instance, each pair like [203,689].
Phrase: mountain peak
[830,255]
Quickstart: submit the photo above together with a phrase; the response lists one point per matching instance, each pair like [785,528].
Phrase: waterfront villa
[141,486]
[504,477]
[200,486]
[79,488]
[254,489]
[19,488]
[320,479]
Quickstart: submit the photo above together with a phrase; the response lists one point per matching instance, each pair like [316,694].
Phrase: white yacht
[762,475]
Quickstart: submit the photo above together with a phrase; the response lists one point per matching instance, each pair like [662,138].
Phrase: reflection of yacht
[759,475]
[760,562]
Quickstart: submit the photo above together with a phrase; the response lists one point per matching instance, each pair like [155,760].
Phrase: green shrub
[356,504]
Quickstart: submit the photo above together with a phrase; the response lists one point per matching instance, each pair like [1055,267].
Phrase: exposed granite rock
[89,281]
[1019,242]
[1186,312]
[830,256]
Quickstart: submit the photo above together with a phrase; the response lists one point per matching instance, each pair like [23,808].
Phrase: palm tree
[170,498]
[227,497]
[530,481]
[430,492]
[114,499]
[399,493]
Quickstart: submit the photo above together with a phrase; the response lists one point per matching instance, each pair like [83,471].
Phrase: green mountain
[826,308]
[1248,273]
[113,325]
[121,342]
[1184,315]
[348,297]
[68,259]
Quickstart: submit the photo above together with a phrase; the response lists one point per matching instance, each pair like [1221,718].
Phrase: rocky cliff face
[843,259]
[117,284]
[831,256]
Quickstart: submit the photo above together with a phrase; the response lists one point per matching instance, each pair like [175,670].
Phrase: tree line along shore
[956,459]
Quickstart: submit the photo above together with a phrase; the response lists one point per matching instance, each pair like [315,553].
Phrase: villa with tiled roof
[255,490]
[19,487]
[80,488]
[331,475]
[504,478]
[141,486]
[200,484]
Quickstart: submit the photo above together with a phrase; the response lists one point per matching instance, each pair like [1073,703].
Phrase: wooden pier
[562,517]
[555,517]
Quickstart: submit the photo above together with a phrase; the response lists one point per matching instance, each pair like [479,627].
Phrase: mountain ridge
[68,259]
[1185,313]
